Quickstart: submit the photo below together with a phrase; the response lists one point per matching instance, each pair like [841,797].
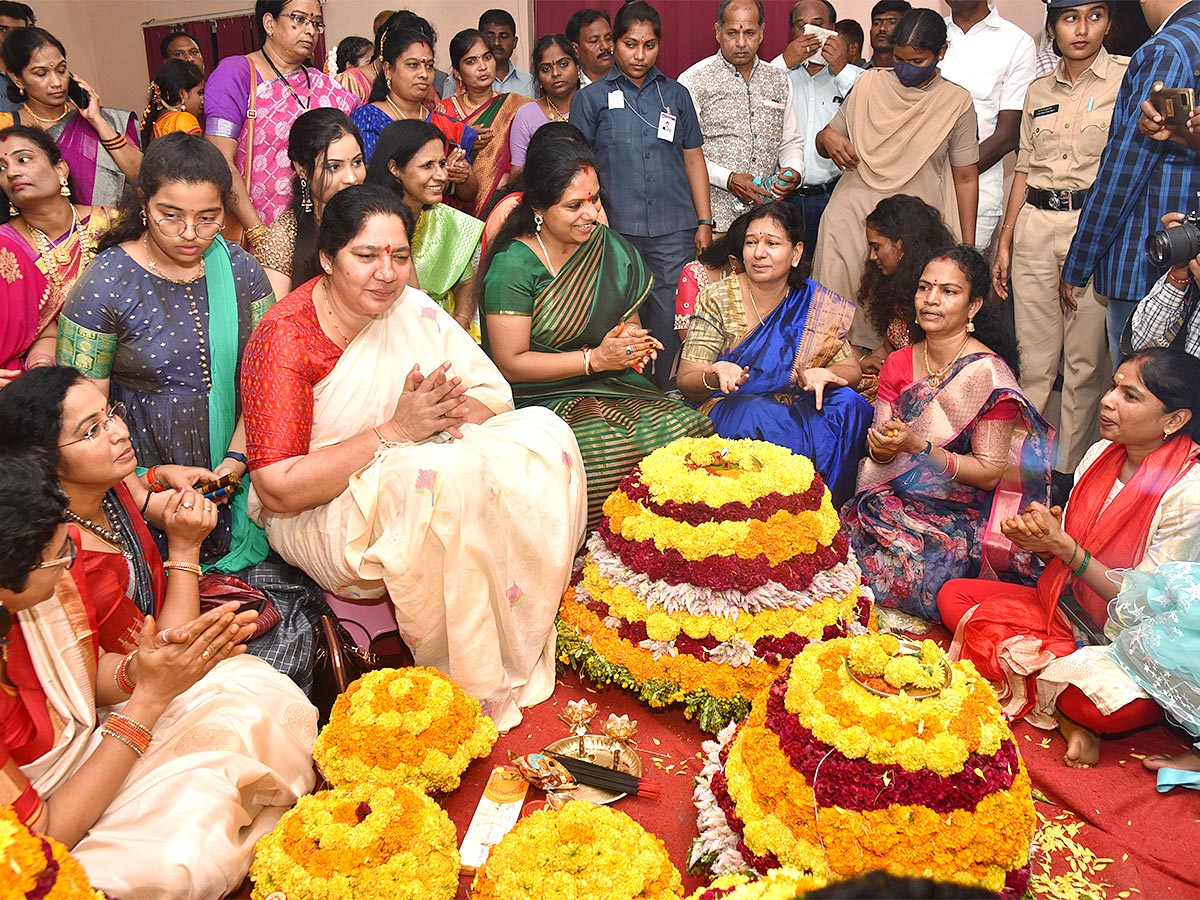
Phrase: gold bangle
[704,381]
[253,234]
[1009,227]
[171,565]
[882,462]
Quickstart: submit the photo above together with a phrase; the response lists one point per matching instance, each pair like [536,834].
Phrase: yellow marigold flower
[23,861]
[902,671]
[868,659]
[661,627]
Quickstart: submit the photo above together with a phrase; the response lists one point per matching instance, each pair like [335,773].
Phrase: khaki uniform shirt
[1064,127]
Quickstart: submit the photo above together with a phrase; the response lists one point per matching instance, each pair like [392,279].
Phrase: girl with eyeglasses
[159,321]
[48,238]
[277,83]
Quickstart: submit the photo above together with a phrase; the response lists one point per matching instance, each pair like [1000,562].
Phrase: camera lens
[1174,246]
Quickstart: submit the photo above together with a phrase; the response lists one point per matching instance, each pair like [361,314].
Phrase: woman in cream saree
[472,537]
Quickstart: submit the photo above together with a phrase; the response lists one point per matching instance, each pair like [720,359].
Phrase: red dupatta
[1007,641]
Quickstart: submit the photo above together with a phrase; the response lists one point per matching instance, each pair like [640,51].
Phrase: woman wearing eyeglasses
[153,753]
[275,83]
[159,321]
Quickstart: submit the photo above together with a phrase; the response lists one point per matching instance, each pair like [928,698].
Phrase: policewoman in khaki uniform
[1064,127]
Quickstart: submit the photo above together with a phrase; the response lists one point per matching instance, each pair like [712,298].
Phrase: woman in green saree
[560,301]
[411,159]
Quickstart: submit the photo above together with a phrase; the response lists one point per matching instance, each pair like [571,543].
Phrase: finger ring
[629,349]
[187,504]
[165,635]
[205,655]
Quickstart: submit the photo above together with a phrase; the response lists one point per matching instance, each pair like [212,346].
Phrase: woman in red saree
[43,247]
[1135,504]
[477,104]
[114,733]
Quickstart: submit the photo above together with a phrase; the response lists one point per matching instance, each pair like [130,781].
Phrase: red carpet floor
[1110,833]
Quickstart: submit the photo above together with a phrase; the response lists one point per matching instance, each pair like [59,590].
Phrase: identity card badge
[616,99]
[666,128]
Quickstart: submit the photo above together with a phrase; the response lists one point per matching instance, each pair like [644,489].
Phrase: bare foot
[1083,746]
[1188,760]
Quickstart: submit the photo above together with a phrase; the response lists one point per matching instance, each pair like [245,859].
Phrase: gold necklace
[332,318]
[557,115]
[46,123]
[388,99]
[153,266]
[750,294]
[935,378]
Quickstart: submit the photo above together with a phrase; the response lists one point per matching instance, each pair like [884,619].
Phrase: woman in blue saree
[766,355]
[955,448]
[159,321]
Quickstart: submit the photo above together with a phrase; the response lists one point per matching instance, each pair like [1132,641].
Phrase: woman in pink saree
[250,126]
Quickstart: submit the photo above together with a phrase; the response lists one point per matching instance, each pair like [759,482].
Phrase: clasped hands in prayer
[625,346]
[1039,530]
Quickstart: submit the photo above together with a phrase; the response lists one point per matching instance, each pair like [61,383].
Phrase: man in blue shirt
[653,177]
[500,31]
[1140,179]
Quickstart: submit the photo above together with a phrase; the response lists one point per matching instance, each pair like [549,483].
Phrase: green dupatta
[603,283]
[443,244]
[249,542]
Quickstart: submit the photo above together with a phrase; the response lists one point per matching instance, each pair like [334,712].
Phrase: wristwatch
[923,454]
[711,223]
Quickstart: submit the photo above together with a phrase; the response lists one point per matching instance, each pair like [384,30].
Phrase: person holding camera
[1064,128]
[1139,178]
[1166,317]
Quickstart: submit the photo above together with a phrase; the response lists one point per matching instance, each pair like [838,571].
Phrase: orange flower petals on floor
[410,726]
[717,560]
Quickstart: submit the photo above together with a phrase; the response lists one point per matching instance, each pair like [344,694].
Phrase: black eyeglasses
[116,411]
[300,21]
[65,561]
[177,226]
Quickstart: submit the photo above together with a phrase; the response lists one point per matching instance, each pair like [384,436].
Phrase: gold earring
[1167,434]
[64,187]
[13,212]
[970,326]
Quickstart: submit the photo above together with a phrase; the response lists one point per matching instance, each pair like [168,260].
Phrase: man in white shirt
[500,31]
[820,83]
[746,116]
[590,33]
[994,60]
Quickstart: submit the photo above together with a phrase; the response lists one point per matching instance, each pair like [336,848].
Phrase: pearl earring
[537,221]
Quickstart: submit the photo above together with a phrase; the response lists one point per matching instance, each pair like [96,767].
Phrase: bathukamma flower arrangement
[37,866]
[778,884]
[841,770]
[715,562]
[368,842]
[403,726]
[579,852]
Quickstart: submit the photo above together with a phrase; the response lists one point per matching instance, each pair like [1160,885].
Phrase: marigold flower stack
[870,755]
[716,562]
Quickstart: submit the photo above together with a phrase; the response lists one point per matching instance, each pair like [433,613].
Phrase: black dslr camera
[1175,246]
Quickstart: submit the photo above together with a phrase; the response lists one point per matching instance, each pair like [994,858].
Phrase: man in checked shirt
[1168,313]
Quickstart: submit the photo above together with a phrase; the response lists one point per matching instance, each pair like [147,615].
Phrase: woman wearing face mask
[1064,127]
[904,130]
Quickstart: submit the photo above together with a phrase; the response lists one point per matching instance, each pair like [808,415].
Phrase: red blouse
[897,374]
[104,621]
[285,358]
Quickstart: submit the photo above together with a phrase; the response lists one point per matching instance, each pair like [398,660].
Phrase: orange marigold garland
[717,560]
[579,852]
[778,884]
[829,776]
[409,726]
[35,865]
[368,842]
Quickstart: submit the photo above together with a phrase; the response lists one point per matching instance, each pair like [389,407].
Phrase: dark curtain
[200,30]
